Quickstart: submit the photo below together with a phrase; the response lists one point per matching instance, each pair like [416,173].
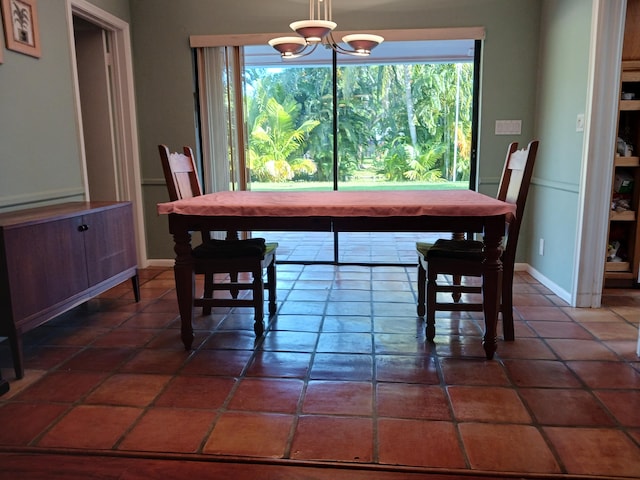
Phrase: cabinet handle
[83,228]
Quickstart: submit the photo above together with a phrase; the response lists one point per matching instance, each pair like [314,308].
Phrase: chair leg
[456,295]
[208,291]
[431,305]
[234,279]
[457,279]
[271,280]
[506,305]
[422,285]
[258,302]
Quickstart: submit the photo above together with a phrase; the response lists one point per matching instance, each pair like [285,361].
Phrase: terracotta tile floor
[343,375]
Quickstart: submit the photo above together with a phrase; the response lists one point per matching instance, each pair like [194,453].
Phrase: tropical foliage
[397,122]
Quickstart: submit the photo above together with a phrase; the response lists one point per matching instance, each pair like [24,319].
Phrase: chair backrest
[514,187]
[180,173]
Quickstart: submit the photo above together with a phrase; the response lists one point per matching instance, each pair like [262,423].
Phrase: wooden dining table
[341,211]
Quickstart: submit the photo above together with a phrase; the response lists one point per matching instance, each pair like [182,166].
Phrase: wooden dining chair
[222,261]
[459,257]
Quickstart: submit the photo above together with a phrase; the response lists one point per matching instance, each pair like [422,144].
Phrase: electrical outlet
[541,247]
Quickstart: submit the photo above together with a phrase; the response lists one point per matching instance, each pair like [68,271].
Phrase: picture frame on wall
[21,31]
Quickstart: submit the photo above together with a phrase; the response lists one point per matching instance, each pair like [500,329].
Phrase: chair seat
[452,249]
[251,247]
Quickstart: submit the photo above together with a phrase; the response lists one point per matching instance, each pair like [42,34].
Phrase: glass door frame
[477,34]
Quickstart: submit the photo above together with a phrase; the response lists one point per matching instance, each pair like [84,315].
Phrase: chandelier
[318,30]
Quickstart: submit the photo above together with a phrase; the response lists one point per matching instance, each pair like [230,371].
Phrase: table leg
[185,285]
[491,283]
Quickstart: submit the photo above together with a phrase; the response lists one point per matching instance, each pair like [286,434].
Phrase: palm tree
[275,149]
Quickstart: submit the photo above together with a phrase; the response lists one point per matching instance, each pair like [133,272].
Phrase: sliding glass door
[402,118]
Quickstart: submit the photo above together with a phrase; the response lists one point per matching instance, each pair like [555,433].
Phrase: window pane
[404,121]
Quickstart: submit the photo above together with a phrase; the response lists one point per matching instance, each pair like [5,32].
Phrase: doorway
[95,81]
[107,133]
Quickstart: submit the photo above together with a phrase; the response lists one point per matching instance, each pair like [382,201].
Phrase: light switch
[508,127]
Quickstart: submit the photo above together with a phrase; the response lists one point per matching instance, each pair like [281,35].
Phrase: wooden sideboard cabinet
[56,257]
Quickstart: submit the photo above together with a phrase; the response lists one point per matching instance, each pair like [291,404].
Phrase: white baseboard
[560,292]
[161,262]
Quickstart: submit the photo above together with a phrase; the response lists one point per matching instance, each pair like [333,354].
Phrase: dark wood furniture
[57,257]
[388,211]
[464,257]
[4,386]
[230,257]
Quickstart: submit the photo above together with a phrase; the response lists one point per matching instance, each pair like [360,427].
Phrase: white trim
[462,33]
[125,112]
[161,262]
[607,33]
[555,289]
[76,91]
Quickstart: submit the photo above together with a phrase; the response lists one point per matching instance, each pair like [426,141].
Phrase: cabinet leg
[135,283]
[4,386]
[15,342]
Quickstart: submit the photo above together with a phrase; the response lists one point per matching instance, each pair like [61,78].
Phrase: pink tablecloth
[341,204]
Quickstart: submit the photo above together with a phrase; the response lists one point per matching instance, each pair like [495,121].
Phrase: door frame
[605,52]
[124,112]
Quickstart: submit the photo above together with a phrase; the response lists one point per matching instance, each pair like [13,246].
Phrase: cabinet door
[109,242]
[45,264]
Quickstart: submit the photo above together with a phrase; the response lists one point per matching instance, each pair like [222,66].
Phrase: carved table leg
[492,282]
[185,284]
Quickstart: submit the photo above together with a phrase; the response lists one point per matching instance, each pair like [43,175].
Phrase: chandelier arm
[308,50]
[331,42]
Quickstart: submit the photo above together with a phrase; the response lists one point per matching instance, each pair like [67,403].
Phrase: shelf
[617,267]
[629,105]
[627,161]
[619,280]
[626,216]
[630,72]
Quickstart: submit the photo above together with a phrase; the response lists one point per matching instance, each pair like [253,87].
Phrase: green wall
[38,131]
[39,143]
[562,92]
[163,66]
[534,68]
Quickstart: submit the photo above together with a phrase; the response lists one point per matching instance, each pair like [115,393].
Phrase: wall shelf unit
[623,256]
